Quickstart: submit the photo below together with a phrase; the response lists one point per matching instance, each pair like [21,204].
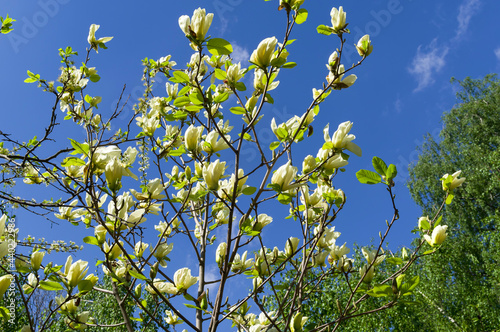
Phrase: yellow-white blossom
[213,144]
[154,190]
[263,54]
[192,137]
[371,255]
[220,253]
[451,182]
[438,236]
[76,272]
[342,139]
[368,275]
[338,19]
[139,248]
[196,27]
[36,259]
[5,281]
[284,176]
[212,173]
[364,46]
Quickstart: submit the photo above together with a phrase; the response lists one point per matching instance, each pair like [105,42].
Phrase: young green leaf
[380,166]
[368,177]
[219,46]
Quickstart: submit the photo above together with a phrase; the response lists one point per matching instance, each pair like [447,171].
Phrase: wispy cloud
[430,59]
[465,12]
[240,54]
[497,53]
[427,62]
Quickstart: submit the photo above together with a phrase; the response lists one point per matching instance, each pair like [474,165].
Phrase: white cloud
[465,12]
[240,54]
[497,53]
[427,62]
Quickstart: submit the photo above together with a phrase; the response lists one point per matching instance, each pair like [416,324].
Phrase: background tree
[463,278]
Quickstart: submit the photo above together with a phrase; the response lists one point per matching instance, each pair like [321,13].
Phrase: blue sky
[401,92]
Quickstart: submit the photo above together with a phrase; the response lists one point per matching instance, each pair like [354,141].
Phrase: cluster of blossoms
[203,189]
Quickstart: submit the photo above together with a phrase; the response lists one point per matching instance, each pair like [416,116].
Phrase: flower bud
[451,182]
[308,165]
[140,247]
[338,19]
[364,46]
[76,272]
[5,281]
[36,259]
[369,275]
[438,236]
[263,54]
[192,137]
[220,253]
[213,173]
[291,246]
[100,234]
[284,175]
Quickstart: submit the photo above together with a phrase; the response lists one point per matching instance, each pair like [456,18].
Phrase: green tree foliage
[467,287]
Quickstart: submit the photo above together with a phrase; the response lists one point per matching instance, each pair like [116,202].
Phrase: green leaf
[240,86]
[136,274]
[196,98]
[438,221]
[449,198]
[220,74]
[182,101]
[368,177]
[391,172]
[269,99]
[285,198]
[193,108]
[32,77]
[180,77]
[50,286]
[192,306]
[409,286]
[274,145]
[184,90]
[4,313]
[221,98]
[324,30]
[72,161]
[94,78]
[248,190]
[237,110]
[301,16]
[91,240]
[247,137]
[79,148]
[380,291]
[424,224]
[379,165]
[278,62]
[219,46]
[289,65]
[85,286]
[394,260]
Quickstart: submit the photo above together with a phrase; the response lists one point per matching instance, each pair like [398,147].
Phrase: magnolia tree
[172,183]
